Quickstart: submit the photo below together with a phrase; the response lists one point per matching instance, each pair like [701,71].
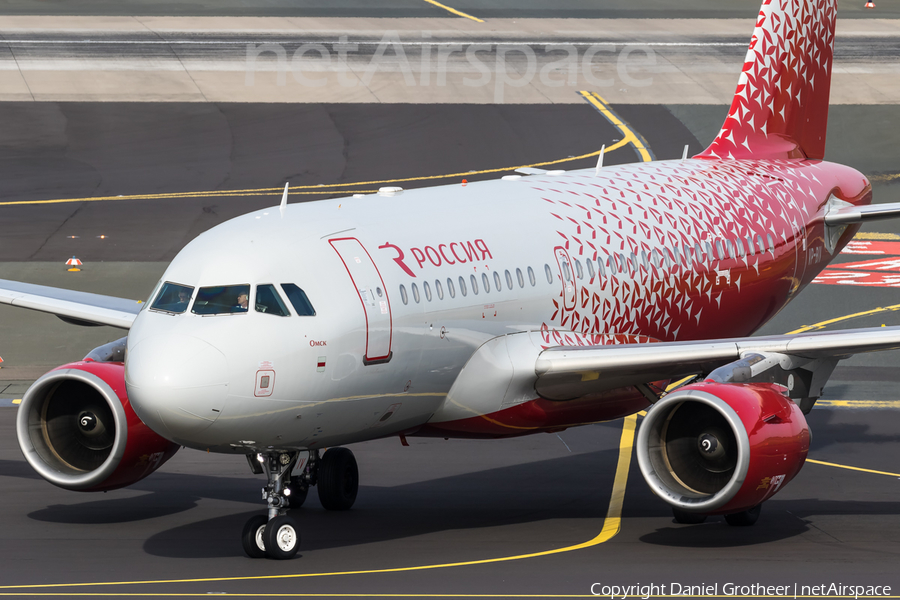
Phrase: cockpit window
[268,301]
[298,300]
[222,300]
[173,298]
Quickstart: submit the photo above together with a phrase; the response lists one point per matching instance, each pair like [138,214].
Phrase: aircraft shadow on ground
[780,519]
[574,487]
[825,432]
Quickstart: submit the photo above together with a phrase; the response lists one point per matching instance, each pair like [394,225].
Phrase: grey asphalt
[485,9]
[75,150]
[435,502]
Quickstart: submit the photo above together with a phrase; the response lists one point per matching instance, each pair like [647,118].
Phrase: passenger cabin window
[509,283]
[590,267]
[450,289]
[403,295]
[531,277]
[427,289]
[520,278]
[222,300]
[549,274]
[298,300]
[771,242]
[486,283]
[173,298]
[269,302]
[579,272]
[497,284]
[415,291]
[474,284]
[462,285]
[439,289]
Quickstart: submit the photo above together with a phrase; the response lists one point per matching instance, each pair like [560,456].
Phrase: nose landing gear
[276,535]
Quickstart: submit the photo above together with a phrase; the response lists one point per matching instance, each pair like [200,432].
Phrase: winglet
[284,197]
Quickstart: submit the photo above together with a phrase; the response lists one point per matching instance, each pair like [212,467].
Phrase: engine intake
[721,448]
[77,429]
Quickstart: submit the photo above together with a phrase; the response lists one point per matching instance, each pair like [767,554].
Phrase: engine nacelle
[716,448]
[77,429]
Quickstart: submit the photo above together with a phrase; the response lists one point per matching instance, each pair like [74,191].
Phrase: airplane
[540,302]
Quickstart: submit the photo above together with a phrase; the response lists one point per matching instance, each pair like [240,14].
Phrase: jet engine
[78,431]
[714,448]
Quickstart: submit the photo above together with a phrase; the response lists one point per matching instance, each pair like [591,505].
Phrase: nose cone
[177,385]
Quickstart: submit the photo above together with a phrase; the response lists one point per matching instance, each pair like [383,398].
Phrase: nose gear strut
[276,535]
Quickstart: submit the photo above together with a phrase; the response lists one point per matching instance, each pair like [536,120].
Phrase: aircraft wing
[847,215]
[79,308]
[570,372]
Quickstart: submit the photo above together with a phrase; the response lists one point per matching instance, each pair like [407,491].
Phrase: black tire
[687,518]
[252,538]
[299,492]
[282,538]
[338,479]
[745,518]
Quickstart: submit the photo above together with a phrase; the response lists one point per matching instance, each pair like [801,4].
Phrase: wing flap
[70,305]
[566,372]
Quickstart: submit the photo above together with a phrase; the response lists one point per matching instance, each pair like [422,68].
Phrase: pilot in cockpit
[243,301]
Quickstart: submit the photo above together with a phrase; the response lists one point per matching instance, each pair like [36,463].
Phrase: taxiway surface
[439,518]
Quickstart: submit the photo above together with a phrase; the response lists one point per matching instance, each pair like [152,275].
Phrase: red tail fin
[780,107]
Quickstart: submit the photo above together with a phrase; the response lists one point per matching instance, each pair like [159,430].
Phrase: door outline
[563,255]
[369,360]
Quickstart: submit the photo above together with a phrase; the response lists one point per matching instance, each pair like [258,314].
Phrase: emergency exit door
[373,296]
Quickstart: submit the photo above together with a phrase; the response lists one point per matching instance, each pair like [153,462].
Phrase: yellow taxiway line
[329,188]
[828,464]
[458,13]
[611,525]
[629,136]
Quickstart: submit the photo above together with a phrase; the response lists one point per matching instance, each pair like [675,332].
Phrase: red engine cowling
[720,448]
[79,432]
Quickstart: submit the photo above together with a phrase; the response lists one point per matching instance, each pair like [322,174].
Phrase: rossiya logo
[441,254]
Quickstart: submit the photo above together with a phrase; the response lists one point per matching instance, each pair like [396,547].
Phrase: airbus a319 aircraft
[574,297]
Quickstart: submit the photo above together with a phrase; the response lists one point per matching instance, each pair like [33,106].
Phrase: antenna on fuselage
[684,154]
[284,198]
[600,160]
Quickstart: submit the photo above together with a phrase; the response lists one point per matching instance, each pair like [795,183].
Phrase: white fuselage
[382,352]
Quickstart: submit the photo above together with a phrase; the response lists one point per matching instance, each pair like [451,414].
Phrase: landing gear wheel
[745,518]
[687,518]
[299,491]
[282,538]
[338,480]
[252,537]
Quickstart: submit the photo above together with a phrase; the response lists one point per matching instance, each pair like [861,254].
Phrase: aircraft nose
[177,384]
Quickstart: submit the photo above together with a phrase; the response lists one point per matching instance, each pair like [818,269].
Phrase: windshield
[222,300]
[298,300]
[268,301]
[173,298]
